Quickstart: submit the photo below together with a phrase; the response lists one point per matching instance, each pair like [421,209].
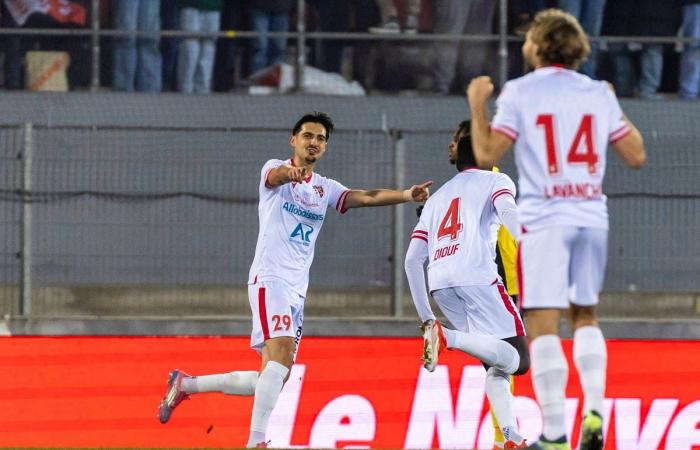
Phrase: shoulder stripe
[505,130]
[499,193]
[621,132]
[340,204]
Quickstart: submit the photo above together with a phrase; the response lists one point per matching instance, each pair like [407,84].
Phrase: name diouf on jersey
[445,251]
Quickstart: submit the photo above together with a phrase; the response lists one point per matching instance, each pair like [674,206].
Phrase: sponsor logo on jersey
[301,212]
[302,234]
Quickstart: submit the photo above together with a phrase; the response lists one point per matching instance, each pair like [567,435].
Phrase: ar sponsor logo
[302,234]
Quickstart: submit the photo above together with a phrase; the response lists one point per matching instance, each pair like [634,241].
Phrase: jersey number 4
[581,150]
[450,225]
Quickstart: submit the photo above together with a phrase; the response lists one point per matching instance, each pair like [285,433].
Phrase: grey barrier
[156,196]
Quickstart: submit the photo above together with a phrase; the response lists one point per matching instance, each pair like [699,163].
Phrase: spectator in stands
[170,20]
[640,18]
[522,12]
[13,51]
[461,17]
[269,16]
[195,58]
[334,16]
[390,18]
[590,14]
[690,59]
[137,61]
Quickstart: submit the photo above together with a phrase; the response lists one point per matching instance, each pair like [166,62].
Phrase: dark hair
[465,154]
[559,39]
[315,117]
[464,126]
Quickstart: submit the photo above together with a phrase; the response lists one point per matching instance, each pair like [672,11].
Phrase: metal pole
[301,47]
[95,41]
[503,43]
[26,225]
[398,237]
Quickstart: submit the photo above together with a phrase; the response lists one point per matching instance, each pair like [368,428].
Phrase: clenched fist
[479,90]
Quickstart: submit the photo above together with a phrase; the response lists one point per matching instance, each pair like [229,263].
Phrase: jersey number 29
[581,151]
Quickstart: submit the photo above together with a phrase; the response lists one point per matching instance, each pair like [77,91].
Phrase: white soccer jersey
[459,222]
[291,216]
[561,122]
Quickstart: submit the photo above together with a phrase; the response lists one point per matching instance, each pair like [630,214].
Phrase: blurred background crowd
[201,64]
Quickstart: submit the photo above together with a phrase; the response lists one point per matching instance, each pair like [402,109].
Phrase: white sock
[232,383]
[501,400]
[267,391]
[494,352]
[590,356]
[549,376]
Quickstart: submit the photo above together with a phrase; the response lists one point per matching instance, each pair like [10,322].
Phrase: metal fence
[119,204]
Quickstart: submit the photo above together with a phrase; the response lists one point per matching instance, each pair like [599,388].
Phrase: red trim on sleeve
[508,303]
[418,236]
[620,133]
[420,232]
[263,313]
[267,175]
[499,193]
[340,204]
[507,131]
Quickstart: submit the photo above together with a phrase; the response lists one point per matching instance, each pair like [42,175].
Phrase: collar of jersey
[552,69]
[469,168]
[307,179]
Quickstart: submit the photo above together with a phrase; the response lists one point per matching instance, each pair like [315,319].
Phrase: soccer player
[292,207]
[456,235]
[561,123]
[505,259]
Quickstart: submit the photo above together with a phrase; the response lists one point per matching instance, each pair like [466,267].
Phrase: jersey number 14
[581,151]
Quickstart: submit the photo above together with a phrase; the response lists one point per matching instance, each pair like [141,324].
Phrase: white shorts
[481,309]
[277,311]
[559,265]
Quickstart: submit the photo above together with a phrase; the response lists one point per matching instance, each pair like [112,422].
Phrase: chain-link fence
[113,218]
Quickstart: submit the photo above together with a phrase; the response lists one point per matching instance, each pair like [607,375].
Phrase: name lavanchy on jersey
[561,122]
[459,222]
[291,216]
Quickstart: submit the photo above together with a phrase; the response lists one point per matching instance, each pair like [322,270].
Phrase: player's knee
[524,365]
[281,350]
[581,316]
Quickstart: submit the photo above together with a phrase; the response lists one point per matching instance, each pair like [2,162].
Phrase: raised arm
[489,146]
[382,197]
[284,174]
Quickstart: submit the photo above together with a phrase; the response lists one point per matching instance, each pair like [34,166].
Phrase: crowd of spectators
[201,64]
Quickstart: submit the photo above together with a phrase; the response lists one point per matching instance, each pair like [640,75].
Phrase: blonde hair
[559,39]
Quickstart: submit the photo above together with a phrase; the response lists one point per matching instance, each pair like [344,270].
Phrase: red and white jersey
[561,123]
[291,216]
[460,223]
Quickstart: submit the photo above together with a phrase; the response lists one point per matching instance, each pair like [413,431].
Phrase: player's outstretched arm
[489,147]
[416,256]
[382,197]
[285,174]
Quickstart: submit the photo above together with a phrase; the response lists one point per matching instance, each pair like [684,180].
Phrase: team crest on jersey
[319,190]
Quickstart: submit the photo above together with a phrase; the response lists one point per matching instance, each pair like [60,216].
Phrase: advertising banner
[342,393]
